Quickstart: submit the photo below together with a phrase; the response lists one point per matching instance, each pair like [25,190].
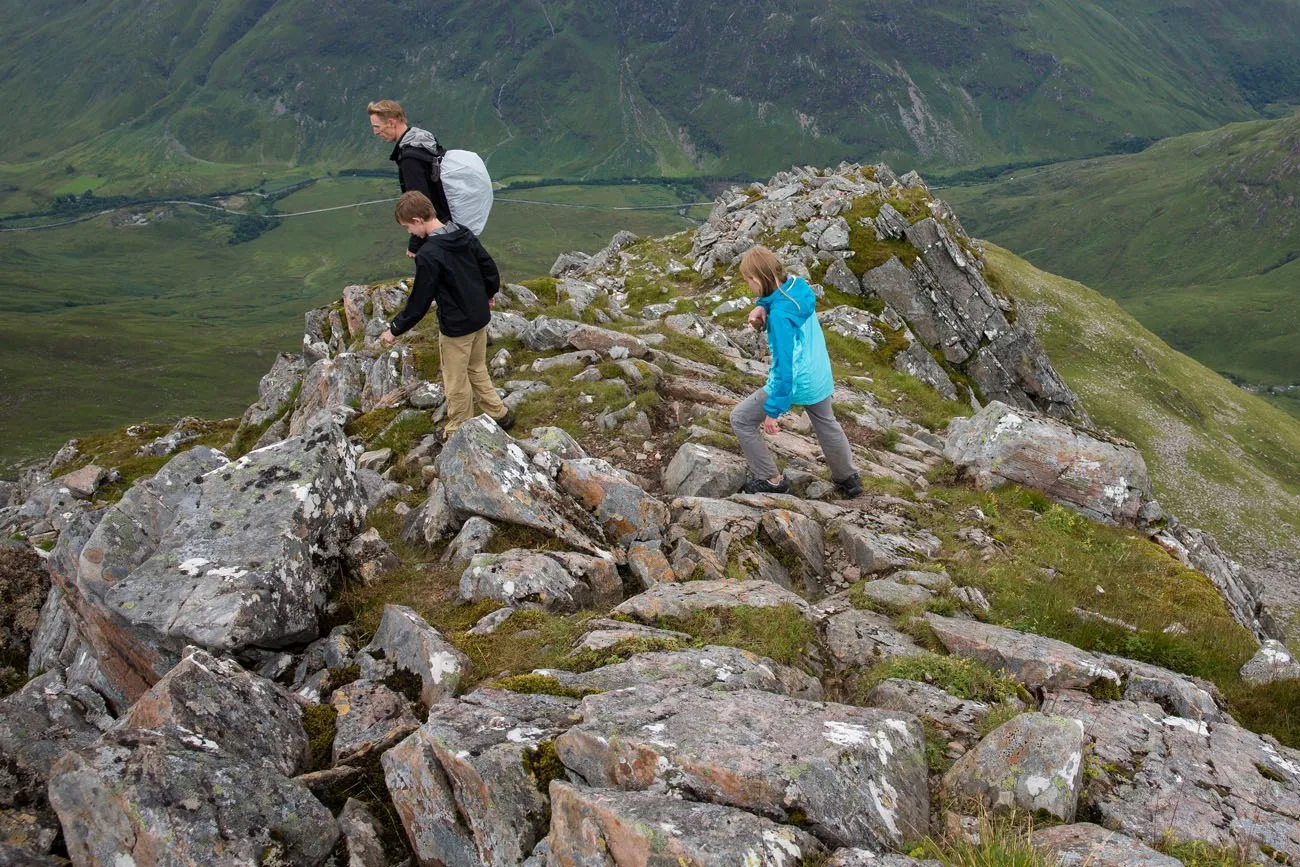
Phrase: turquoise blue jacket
[800,374]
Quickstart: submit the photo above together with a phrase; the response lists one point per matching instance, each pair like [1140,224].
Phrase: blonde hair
[387,109]
[761,264]
[413,206]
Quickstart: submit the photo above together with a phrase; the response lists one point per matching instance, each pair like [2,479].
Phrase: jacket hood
[453,236]
[416,139]
[794,298]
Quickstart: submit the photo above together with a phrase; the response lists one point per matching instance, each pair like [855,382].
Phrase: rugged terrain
[349,642]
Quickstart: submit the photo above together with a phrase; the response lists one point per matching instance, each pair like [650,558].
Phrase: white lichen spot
[751,859]
[899,726]
[723,674]
[654,728]
[1196,727]
[229,572]
[508,588]
[844,734]
[1070,772]
[524,735]
[193,566]
[123,859]
[1036,785]
[780,847]
[1278,760]
[885,796]
[441,664]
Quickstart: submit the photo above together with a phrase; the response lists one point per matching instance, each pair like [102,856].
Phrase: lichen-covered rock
[474,536]
[1157,774]
[625,511]
[1106,481]
[275,390]
[407,641]
[1031,764]
[703,471]
[958,718]
[1034,660]
[1088,845]
[389,378]
[892,596]
[247,716]
[1179,694]
[221,555]
[604,634]
[370,557]
[681,600]
[857,639]
[649,566]
[594,828]
[856,776]
[369,713]
[470,784]
[144,796]
[874,552]
[559,581]
[604,340]
[484,472]
[716,667]
[1272,663]
[329,383]
[547,333]
[797,536]
[362,835]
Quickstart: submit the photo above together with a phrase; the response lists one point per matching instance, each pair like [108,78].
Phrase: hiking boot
[763,486]
[507,421]
[850,487]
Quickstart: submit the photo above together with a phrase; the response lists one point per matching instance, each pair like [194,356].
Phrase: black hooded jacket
[453,269]
[419,167]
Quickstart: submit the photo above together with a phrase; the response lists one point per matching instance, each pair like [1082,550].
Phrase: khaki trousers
[465,378]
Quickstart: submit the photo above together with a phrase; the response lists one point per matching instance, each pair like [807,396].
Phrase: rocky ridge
[203,621]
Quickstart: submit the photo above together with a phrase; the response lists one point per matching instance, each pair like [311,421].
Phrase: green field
[1196,237]
[107,324]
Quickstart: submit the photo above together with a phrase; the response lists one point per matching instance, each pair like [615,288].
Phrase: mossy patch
[543,764]
[319,723]
[956,675]
[589,660]
[781,633]
[868,251]
[540,684]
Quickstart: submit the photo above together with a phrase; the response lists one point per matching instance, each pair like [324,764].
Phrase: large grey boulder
[1156,774]
[703,471]
[225,556]
[1033,660]
[410,644]
[1179,694]
[547,333]
[1088,845]
[625,511]
[957,718]
[715,666]
[484,472]
[369,713]
[1031,764]
[857,639]
[144,796]
[470,784]
[559,581]
[1104,480]
[856,776]
[603,340]
[595,828]
[247,716]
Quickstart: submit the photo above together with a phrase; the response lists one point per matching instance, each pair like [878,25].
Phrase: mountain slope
[1220,458]
[1195,236]
[642,87]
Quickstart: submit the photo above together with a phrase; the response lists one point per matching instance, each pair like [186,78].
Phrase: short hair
[387,109]
[413,206]
[762,265]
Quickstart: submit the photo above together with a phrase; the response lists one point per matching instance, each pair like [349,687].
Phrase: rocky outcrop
[1034,660]
[1031,764]
[1105,480]
[225,556]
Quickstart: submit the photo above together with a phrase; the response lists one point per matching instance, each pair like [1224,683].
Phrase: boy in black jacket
[453,269]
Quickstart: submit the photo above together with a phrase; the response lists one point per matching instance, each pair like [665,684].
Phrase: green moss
[543,764]
[540,684]
[408,685]
[405,432]
[588,660]
[318,721]
[868,252]
[1000,714]
[781,633]
[961,677]
[341,677]
[543,288]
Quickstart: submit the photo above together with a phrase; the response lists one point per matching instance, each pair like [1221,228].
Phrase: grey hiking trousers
[748,415]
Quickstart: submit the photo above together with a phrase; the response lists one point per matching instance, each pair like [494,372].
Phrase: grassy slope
[107,325]
[1220,458]
[1196,237]
[569,88]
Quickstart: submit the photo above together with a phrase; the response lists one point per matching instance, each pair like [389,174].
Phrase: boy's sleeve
[781,383]
[487,266]
[418,302]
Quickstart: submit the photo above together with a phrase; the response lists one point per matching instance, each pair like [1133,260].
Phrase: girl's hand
[770,427]
[757,318]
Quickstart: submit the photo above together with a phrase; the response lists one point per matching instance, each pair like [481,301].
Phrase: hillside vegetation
[210,89]
[1220,458]
[1196,238]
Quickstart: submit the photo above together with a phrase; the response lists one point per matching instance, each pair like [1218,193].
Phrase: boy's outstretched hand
[387,337]
[770,427]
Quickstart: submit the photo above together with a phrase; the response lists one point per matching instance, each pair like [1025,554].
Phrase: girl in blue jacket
[800,375]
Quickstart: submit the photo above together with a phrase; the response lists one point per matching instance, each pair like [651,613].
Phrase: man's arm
[414,175]
[427,273]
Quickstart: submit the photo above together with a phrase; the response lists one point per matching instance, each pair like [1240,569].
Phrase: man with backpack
[418,156]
